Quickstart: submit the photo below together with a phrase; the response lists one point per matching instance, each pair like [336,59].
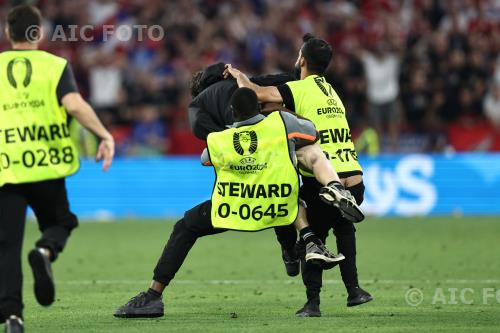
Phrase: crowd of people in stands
[414,75]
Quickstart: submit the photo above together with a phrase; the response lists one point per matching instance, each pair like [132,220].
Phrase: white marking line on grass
[289,281]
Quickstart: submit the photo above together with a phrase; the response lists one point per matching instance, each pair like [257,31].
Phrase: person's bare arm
[264,94]
[78,108]
[313,158]
[205,158]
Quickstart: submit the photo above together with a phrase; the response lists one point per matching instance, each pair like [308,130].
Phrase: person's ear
[7,32]
[302,62]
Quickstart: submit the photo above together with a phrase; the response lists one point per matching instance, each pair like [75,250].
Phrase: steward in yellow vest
[35,142]
[316,100]
[312,97]
[210,111]
[256,187]
[37,92]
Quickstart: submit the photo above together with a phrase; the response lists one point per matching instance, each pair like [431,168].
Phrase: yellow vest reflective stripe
[35,143]
[257,184]
[316,100]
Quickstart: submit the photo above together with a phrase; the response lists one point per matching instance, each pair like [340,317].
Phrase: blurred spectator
[492,105]
[417,71]
[382,73]
[347,76]
[367,141]
[105,79]
[182,141]
[417,100]
[149,133]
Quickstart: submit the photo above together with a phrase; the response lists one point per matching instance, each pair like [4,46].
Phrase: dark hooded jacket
[210,111]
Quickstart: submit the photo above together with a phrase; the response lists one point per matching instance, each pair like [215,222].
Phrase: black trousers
[49,201]
[197,223]
[322,218]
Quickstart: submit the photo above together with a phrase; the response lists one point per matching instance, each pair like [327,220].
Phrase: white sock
[16,318]
[44,251]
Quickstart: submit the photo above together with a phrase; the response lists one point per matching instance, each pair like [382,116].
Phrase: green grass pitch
[241,273]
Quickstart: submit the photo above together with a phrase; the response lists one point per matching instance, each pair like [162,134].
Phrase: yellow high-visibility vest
[35,143]
[316,100]
[257,184]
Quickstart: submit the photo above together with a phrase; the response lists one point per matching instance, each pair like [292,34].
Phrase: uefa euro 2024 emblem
[245,143]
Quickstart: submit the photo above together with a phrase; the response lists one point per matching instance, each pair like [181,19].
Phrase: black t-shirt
[67,83]
[287,97]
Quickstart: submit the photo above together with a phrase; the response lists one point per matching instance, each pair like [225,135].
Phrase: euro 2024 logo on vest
[11,73]
[245,143]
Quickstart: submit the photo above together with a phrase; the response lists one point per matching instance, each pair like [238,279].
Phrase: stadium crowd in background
[415,75]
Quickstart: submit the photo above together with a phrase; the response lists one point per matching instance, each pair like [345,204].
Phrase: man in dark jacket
[208,112]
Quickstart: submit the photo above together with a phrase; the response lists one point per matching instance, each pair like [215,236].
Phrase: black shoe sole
[328,265]
[44,285]
[148,315]
[318,262]
[360,302]
[350,212]
[323,261]
[325,266]
[308,314]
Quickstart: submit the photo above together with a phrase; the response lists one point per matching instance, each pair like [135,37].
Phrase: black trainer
[318,253]
[292,262]
[42,275]
[144,305]
[310,309]
[358,296]
[14,325]
[334,194]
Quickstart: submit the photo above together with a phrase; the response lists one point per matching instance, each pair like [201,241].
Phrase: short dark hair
[195,85]
[20,19]
[317,53]
[244,103]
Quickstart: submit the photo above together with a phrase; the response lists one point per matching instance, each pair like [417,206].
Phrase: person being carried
[312,97]
[210,111]
[256,188]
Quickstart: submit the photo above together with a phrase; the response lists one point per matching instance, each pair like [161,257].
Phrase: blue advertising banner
[402,185]
[433,184]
